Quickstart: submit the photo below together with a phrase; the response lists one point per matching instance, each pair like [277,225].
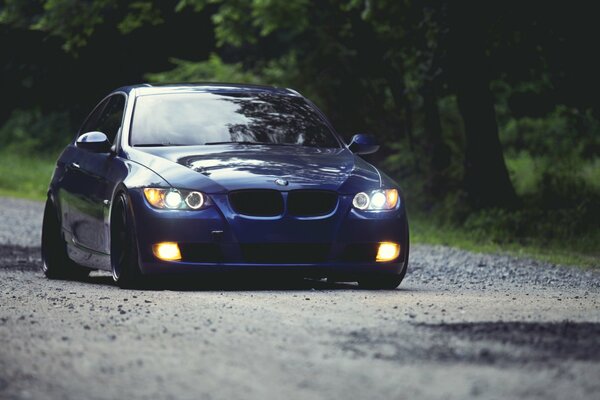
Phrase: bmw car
[218,178]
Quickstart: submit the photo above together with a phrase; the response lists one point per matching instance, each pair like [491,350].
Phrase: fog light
[387,251]
[167,251]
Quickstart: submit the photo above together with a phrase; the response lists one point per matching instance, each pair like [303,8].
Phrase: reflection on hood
[248,166]
[295,166]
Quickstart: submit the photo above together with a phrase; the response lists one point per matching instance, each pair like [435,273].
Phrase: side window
[91,123]
[110,120]
[107,117]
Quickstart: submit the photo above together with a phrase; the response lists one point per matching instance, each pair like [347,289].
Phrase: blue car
[200,178]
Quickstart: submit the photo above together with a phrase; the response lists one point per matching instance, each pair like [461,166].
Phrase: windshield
[188,119]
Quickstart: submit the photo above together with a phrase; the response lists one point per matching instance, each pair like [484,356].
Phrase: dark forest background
[488,111]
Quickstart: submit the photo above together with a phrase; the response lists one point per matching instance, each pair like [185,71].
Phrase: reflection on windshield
[201,118]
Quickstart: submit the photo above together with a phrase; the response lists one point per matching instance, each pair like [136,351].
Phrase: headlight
[175,199]
[361,201]
[172,199]
[382,199]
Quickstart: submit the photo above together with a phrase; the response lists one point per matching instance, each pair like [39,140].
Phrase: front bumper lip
[321,269]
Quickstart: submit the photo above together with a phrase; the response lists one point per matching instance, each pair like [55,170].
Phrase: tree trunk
[486,179]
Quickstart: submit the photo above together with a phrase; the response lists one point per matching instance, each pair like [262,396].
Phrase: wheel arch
[52,196]
[122,189]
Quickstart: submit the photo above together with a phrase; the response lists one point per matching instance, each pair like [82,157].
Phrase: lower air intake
[285,253]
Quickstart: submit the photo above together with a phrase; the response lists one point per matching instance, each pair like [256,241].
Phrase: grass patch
[25,176]
[576,251]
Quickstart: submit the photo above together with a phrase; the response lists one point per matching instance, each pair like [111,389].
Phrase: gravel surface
[461,326]
[20,221]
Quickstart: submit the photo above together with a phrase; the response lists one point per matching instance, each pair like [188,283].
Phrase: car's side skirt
[85,256]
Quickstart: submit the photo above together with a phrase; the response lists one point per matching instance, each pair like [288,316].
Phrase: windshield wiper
[251,143]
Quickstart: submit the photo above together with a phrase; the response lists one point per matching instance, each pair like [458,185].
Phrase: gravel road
[461,326]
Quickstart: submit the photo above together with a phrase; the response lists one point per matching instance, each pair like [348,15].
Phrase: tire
[56,263]
[381,282]
[124,254]
[387,281]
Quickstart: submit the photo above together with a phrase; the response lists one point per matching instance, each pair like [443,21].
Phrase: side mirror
[363,144]
[96,142]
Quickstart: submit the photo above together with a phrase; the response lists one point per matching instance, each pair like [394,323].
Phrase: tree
[486,179]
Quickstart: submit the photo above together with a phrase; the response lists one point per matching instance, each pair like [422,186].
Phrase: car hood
[218,168]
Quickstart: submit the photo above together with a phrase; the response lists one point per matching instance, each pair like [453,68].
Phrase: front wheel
[56,264]
[123,246]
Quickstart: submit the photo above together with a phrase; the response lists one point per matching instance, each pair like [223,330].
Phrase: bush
[33,132]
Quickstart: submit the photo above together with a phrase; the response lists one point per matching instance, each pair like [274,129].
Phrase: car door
[70,184]
[91,196]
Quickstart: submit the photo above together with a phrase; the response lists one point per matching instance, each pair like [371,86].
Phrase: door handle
[75,165]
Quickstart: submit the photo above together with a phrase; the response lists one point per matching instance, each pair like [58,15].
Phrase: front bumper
[225,241]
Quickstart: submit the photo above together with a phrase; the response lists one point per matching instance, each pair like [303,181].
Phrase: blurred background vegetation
[488,111]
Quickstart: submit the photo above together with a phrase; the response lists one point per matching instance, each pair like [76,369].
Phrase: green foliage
[558,216]
[242,21]
[72,20]
[141,13]
[553,161]
[590,173]
[212,70]
[273,15]
[20,13]
[525,172]
[560,134]
[75,21]
[31,132]
[279,72]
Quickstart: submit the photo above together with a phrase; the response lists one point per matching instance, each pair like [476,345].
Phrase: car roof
[164,88]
